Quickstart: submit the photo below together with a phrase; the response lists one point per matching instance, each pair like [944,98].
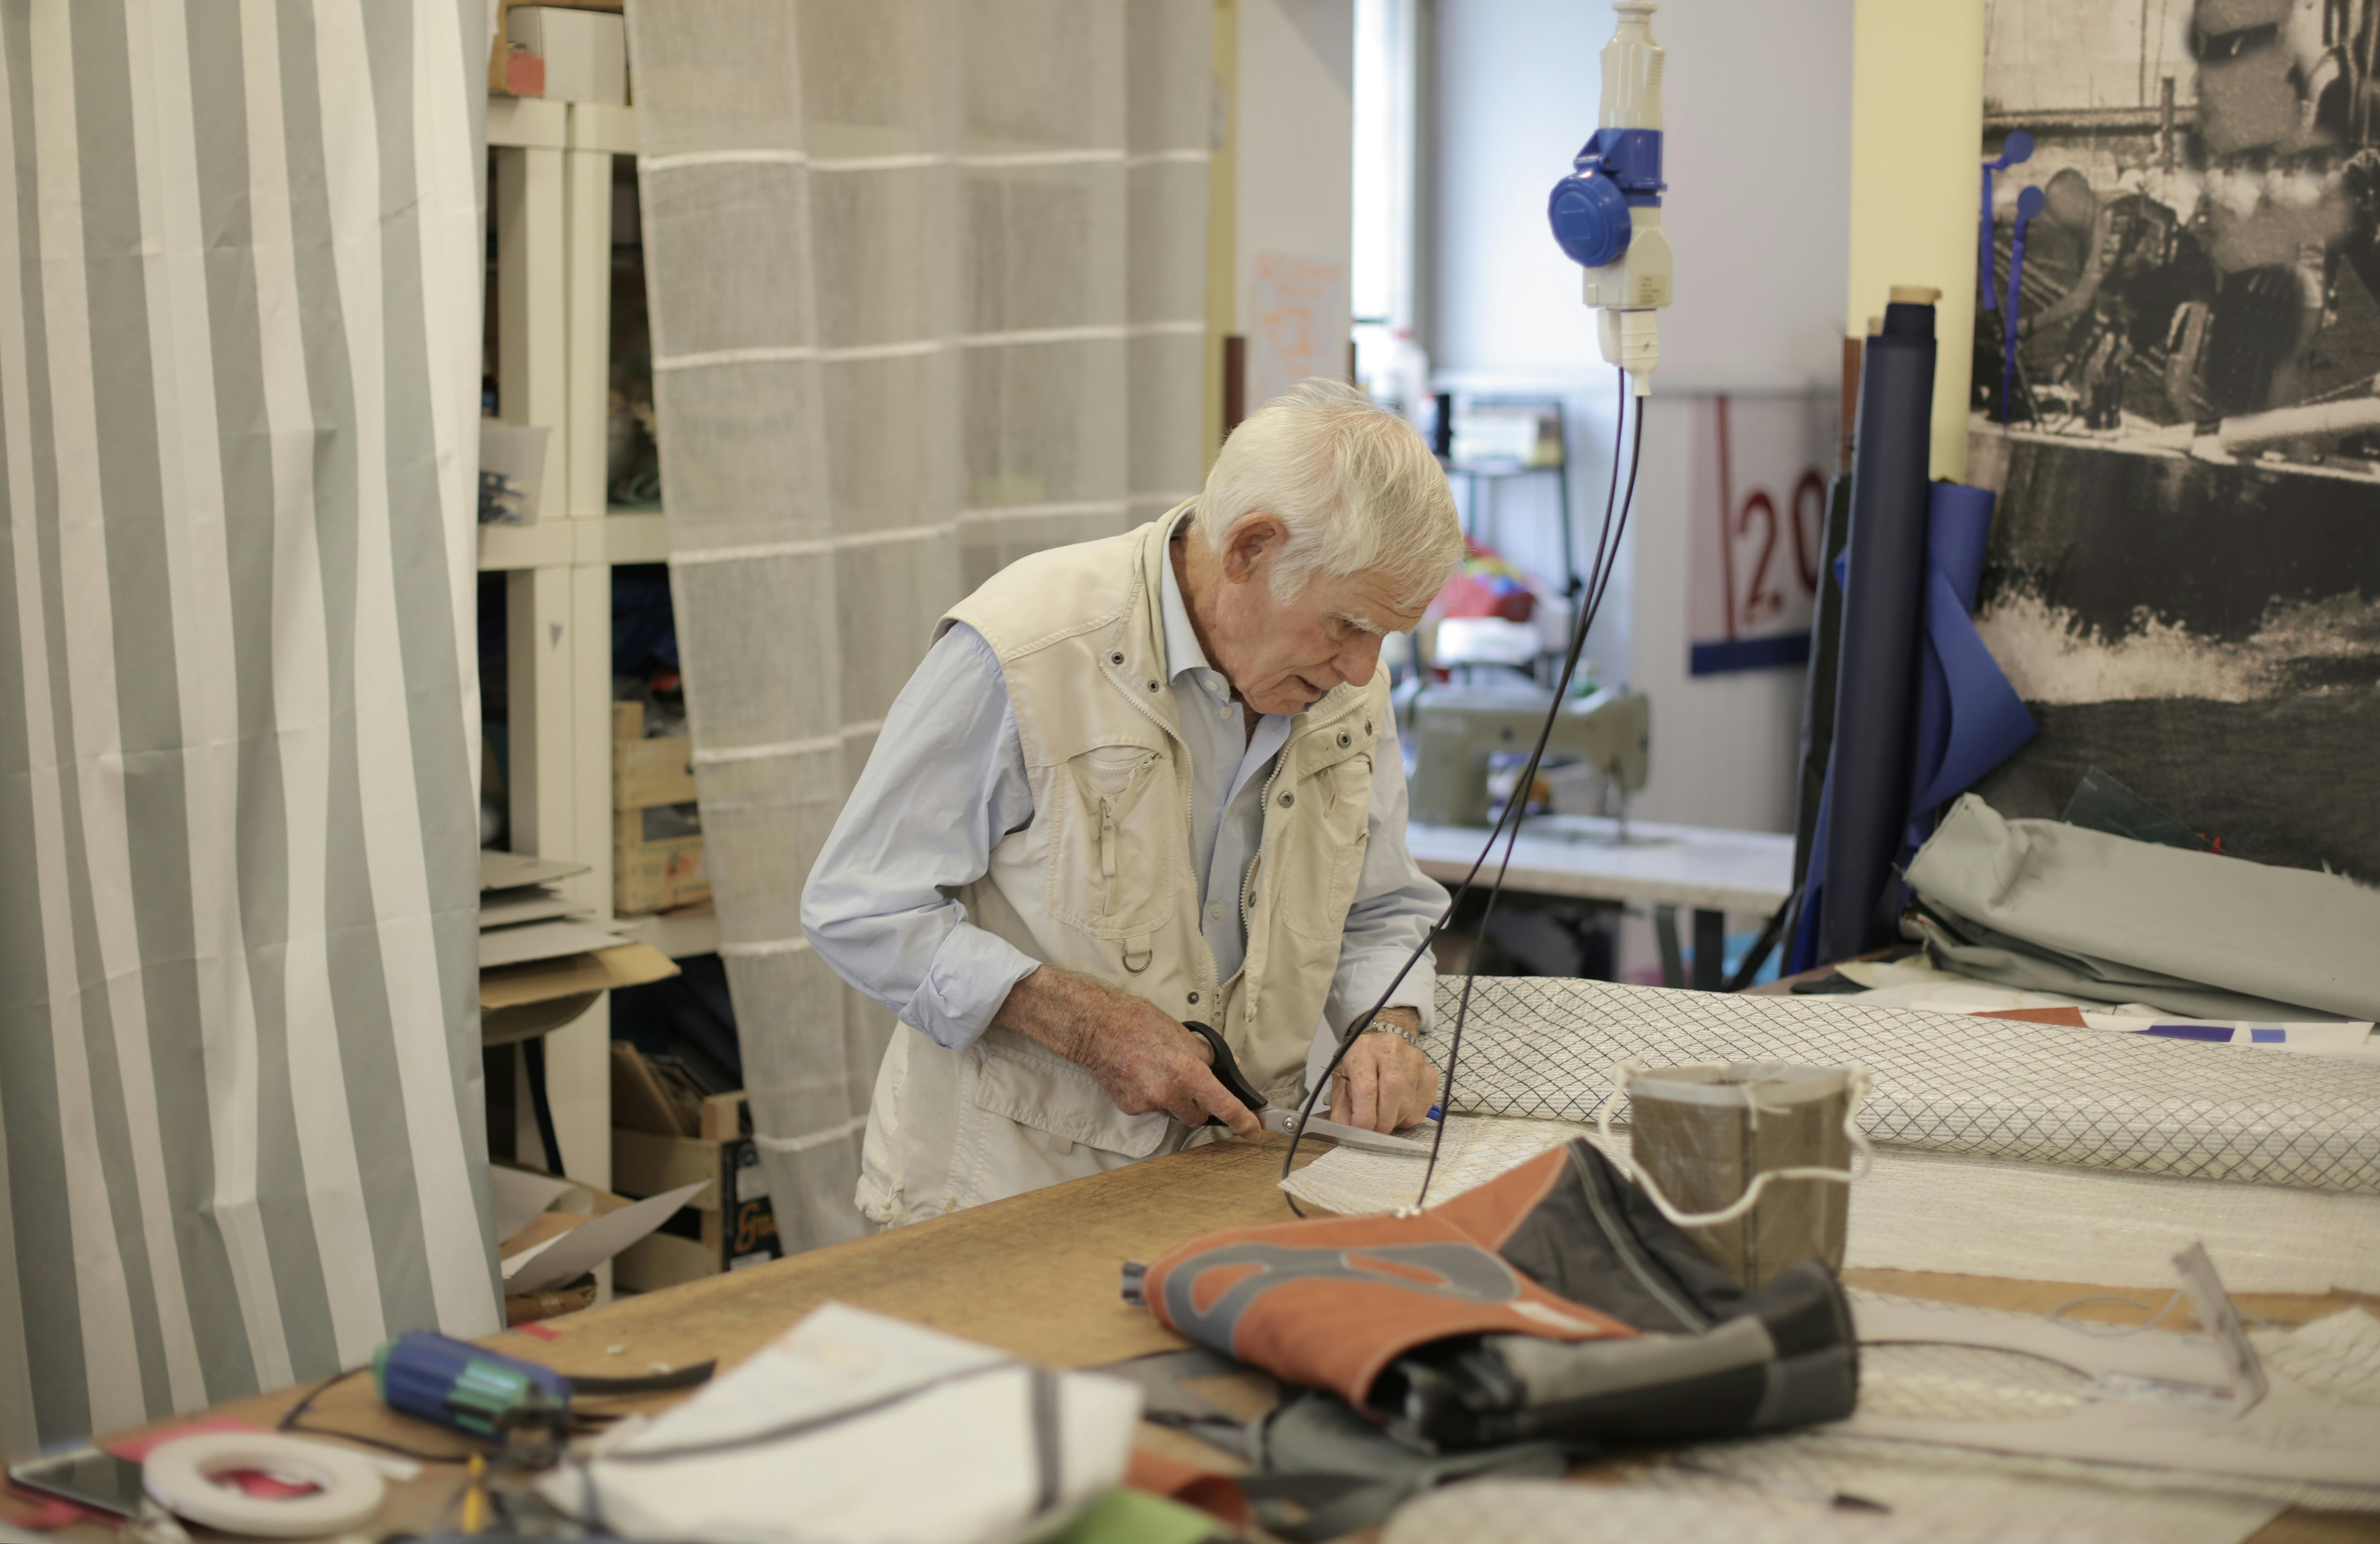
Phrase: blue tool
[2016,148]
[485,1393]
[454,1383]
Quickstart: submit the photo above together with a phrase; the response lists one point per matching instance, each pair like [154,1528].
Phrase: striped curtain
[928,294]
[241,1138]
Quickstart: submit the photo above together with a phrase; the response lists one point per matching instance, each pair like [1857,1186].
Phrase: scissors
[1227,1073]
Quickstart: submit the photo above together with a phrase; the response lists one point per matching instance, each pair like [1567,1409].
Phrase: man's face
[1285,656]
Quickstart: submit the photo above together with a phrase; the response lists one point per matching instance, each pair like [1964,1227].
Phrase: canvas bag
[1554,1302]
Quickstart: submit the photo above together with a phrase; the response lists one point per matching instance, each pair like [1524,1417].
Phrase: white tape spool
[179,1475]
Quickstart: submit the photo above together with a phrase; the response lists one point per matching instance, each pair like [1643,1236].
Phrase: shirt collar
[1182,650]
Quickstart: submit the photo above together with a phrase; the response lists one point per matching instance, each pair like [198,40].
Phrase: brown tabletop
[1037,1276]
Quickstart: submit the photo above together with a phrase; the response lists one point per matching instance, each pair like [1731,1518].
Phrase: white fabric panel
[928,290]
[238,1021]
[1969,1216]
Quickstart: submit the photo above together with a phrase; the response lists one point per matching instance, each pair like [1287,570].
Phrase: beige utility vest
[1101,883]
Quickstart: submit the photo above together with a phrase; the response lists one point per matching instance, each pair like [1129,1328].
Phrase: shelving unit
[550,203]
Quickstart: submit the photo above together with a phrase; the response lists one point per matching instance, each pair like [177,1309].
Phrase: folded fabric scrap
[820,1435]
[1554,1303]
[2048,906]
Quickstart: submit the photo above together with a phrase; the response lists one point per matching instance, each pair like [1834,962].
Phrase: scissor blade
[1285,1122]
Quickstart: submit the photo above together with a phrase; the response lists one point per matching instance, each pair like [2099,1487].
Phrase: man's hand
[1384,1082]
[1143,1059]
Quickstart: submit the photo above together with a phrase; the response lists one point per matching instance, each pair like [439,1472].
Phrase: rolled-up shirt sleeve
[1394,908]
[945,784]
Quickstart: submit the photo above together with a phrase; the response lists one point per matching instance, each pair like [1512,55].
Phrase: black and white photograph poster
[2177,395]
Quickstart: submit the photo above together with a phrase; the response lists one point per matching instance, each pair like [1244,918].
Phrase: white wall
[1296,148]
[1757,153]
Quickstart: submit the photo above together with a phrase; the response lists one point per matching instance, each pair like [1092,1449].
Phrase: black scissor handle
[1227,1072]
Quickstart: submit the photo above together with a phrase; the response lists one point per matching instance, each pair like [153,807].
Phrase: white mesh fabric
[1917,1211]
[1942,1082]
[928,291]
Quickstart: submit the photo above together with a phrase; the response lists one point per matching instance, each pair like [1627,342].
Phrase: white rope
[1860,1147]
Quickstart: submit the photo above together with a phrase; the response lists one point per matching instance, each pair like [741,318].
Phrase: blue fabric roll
[1969,718]
[1867,802]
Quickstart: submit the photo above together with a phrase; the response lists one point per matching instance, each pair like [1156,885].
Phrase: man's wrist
[1403,1023]
[1047,1007]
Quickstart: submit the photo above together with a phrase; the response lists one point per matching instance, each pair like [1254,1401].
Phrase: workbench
[1036,1275]
[1581,857]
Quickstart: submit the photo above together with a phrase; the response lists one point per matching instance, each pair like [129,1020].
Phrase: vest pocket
[1021,1082]
[1111,869]
[1322,854]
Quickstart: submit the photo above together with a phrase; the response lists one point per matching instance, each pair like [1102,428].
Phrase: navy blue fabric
[1969,718]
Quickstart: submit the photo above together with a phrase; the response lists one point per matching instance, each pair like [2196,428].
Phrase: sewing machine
[1454,729]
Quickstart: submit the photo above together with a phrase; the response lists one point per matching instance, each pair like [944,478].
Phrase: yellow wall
[1917,120]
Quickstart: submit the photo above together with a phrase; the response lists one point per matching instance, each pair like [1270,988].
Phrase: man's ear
[1252,539]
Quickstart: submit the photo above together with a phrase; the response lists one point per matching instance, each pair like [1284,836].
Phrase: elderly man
[1141,782]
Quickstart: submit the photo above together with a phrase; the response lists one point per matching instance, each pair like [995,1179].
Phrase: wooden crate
[657,848]
[647,772]
[732,1223]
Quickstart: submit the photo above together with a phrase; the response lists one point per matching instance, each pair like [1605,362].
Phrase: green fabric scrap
[1127,1516]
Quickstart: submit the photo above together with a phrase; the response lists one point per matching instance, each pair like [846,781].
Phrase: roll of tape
[179,1475]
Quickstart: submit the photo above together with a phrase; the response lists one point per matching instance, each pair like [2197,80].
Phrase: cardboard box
[729,1225]
[656,860]
[520,1000]
[512,470]
[657,826]
[586,53]
[516,71]
[648,772]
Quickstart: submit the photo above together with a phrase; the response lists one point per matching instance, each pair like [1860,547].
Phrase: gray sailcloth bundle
[1942,1083]
[2057,907]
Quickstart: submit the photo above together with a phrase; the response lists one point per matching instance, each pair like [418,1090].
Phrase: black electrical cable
[1606,550]
[1519,795]
[292,1419]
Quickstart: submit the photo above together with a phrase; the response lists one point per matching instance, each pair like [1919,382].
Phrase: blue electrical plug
[1588,209]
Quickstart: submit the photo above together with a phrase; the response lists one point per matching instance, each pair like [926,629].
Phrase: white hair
[1355,484]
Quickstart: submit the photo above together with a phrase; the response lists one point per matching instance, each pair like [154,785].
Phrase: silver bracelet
[1385,1025]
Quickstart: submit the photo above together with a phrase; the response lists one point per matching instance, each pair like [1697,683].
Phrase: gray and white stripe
[240,1140]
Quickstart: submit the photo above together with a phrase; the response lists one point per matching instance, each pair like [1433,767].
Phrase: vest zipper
[1254,984]
[1264,821]
[1107,855]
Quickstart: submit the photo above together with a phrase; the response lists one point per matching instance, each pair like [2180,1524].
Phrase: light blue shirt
[946,783]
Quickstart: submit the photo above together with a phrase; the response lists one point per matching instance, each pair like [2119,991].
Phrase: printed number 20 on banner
[1757,508]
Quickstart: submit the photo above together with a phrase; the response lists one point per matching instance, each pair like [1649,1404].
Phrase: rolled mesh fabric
[927,292]
[1942,1082]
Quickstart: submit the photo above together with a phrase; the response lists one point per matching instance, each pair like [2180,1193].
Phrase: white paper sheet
[543,941]
[590,1243]
[502,870]
[521,1195]
[528,903]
